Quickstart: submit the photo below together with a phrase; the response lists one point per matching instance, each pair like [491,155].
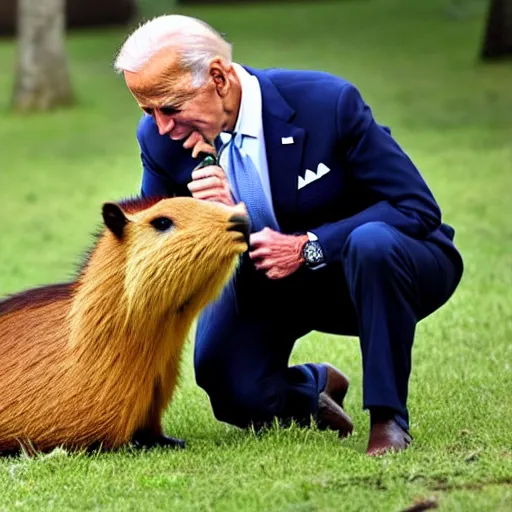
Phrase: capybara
[93,363]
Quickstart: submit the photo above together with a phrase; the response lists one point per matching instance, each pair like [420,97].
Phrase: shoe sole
[333,416]
[339,397]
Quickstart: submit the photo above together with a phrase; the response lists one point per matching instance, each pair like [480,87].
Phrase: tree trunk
[42,79]
[498,35]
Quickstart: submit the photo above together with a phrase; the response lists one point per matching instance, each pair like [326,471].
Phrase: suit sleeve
[375,161]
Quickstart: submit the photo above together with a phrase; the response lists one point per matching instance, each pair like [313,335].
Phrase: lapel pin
[287,140]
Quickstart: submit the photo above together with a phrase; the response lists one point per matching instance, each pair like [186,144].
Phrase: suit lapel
[284,159]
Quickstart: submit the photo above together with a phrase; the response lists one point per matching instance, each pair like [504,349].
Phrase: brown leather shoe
[330,403]
[386,436]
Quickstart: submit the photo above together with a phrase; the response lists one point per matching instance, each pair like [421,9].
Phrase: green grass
[418,69]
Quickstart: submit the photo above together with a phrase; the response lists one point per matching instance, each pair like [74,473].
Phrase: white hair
[196,42]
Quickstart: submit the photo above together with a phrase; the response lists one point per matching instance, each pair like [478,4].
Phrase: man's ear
[219,75]
[114,219]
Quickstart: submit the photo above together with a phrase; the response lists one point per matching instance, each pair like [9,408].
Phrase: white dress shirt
[250,124]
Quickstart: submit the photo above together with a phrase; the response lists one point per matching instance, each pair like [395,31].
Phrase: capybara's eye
[162,223]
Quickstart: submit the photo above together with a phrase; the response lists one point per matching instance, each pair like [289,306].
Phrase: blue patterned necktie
[246,185]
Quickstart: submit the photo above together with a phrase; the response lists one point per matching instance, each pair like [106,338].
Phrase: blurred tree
[42,79]
[498,33]
[81,14]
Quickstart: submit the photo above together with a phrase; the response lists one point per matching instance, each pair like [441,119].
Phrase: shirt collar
[249,121]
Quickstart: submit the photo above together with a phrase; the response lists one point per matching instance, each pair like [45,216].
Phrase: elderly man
[346,237]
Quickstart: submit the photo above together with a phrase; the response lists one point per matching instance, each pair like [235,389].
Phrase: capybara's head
[178,252]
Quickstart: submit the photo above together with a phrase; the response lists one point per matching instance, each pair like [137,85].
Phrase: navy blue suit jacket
[371,178]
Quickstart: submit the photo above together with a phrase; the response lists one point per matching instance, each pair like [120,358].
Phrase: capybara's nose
[240,222]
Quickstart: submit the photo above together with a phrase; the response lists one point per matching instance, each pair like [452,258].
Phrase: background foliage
[416,65]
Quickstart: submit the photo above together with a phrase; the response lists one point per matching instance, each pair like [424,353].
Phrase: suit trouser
[384,284]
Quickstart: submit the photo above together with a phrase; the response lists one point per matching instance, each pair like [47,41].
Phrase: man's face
[163,90]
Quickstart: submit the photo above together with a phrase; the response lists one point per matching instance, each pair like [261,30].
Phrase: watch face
[313,253]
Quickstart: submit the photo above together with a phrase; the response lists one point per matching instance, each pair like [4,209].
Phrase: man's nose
[164,123]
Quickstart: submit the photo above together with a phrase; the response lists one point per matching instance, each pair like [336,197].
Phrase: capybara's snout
[240,222]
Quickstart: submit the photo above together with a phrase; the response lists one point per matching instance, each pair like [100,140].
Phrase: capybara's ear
[114,218]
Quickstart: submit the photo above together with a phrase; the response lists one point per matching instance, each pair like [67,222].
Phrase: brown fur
[97,360]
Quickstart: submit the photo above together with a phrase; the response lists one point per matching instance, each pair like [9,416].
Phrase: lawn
[418,69]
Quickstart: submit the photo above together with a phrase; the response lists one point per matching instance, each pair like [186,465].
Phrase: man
[346,236]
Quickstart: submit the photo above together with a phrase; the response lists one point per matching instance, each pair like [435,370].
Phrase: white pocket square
[310,176]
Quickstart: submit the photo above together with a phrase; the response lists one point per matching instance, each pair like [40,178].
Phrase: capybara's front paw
[152,441]
[170,442]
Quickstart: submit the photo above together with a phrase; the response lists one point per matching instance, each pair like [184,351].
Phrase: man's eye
[169,111]
[162,223]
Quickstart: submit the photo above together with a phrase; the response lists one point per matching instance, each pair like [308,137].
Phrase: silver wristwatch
[312,252]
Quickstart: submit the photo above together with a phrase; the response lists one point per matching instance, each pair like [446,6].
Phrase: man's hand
[208,183]
[278,255]
[198,144]
[211,183]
